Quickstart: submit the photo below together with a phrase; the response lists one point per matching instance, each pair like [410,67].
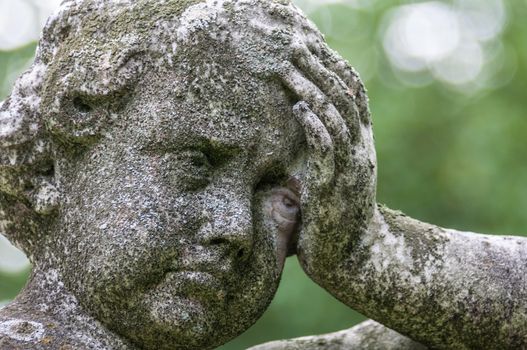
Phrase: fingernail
[301,106]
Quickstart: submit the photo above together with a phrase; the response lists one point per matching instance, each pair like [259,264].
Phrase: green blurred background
[447,82]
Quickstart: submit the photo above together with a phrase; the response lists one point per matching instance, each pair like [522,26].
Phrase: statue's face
[166,231]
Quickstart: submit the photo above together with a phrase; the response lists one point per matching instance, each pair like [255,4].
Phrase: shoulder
[20,334]
[367,335]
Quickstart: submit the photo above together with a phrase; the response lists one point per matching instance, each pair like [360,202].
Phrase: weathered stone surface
[444,288]
[161,158]
[367,335]
[144,169]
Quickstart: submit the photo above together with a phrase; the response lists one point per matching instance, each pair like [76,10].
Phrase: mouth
[197,284]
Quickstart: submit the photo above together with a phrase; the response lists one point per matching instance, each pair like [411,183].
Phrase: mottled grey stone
[149,168]
[368,335]
[160,159]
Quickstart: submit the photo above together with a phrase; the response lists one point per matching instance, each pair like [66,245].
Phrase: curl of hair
[28,193]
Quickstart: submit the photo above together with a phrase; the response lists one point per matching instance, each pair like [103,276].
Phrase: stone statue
[159,161]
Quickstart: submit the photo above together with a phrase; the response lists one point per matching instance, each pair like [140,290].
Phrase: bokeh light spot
[453,43]
[16,14]
[13,260]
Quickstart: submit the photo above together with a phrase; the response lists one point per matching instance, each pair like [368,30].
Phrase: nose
[227,224]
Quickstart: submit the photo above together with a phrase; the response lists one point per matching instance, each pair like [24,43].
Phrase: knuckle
[301,107]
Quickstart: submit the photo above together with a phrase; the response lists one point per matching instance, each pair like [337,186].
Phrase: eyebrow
[185,140]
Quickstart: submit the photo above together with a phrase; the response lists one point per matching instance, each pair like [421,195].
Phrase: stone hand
[338,177]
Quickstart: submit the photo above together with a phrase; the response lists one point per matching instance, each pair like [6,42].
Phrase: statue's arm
[366,335]
[443,288]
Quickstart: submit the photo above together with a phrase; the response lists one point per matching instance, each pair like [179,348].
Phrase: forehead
[213,99]
[184,86]
[108,43]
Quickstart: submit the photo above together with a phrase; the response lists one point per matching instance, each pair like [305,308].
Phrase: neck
[45,312]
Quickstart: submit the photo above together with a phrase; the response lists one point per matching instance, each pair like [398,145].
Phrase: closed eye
[284,210]
[85,103]
[189,170]
[286,205]
[197,159]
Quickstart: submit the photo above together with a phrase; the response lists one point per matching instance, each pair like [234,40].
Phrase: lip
[196,283]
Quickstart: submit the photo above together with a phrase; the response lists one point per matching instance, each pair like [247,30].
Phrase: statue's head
[147,156]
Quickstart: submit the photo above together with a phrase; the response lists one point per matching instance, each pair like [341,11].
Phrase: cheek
[118,251]
[255,282]
[116,239]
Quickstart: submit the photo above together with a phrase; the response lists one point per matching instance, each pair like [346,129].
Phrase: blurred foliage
[447,155]
[12,63]
[12,283]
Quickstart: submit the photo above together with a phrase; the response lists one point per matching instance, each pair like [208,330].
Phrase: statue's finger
[325,112]
[320,161]
[331,85]
[355,87]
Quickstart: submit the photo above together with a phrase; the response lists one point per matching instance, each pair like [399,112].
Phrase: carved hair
[101,47]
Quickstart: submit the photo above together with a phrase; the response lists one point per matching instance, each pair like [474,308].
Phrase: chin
[192,322]
[174,323]
[195,310]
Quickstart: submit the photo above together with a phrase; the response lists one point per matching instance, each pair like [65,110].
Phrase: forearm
[444,288]
[366,335]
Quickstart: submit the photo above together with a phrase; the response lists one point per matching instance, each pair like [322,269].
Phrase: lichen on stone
[145,157]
